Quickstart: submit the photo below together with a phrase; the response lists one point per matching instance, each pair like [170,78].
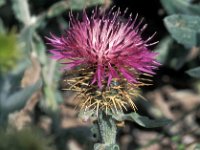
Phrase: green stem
[105,130]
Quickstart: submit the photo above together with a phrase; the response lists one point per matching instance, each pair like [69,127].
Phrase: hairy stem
[105,130]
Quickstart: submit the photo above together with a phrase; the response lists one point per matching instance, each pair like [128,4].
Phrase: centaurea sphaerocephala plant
[107,60]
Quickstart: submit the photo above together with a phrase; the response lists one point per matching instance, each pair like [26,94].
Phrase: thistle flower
[111,56]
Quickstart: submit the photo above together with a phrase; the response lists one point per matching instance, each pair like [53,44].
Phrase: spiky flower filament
[108,43]
[117,97]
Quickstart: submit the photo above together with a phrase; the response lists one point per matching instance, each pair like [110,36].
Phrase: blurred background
[37,114]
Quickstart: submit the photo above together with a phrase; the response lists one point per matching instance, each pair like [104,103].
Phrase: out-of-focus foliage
[184,29]
[61,6]
[21,10]
[183,25]
[171,53]
[14,99]
[25,139]
[81,4]
[9,51]
[2,2]
[182,6]
[142,120]
[194,72]
[27,74]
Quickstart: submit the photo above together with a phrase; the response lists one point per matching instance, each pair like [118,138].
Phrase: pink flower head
[114,48]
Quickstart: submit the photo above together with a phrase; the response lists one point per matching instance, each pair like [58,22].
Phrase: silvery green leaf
[60,7]
[197,147]
[58,96]
[18,100]
[181,7]
[21,11]
[25,38]
[2,2]
[4,88]
[57,9]
[63,22]
[163,49]
[81,4]
[189,7]
[40,48]
[141,120]
[2,28]
[195,72]
[50,99]
[10,81]
[177,56]
[171,54]
[169,6]
[184,29]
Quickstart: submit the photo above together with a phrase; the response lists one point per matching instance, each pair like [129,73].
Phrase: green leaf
[57,9]
[24,139]
[5,87]
[171,53]
[50,100]
[141,120]
[40,48]
[25,38]
[2,2]
[18,100]
[81,4]
[181,7]
[60,7]
[58,95]
[195,72]
[163,49]
[9,52]
[176,138]
[184,29]
[63,22]
[2,28]
[197,147]
[177,56]
[9,82]
[169,6]
[21,11]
